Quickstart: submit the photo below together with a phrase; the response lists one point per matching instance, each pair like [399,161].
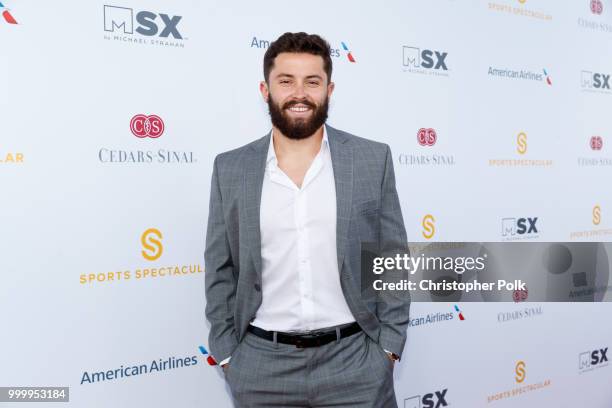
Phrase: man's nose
[298,91]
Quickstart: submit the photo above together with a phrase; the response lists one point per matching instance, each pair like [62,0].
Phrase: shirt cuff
[390,352]
[225,361]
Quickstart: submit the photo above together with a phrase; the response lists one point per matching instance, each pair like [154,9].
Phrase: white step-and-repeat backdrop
[498,114]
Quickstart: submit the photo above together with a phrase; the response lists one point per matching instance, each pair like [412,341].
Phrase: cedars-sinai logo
[427,137]
[520,295]
[596,142]
[596,7]
[429,156]
[147,126]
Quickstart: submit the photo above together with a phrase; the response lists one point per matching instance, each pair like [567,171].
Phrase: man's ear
[265,92]
[330,89]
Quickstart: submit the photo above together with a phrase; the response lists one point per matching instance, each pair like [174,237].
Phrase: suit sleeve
[393,306]
[220,279]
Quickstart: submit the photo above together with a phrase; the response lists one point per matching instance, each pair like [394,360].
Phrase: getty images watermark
[488,272]
[459,265]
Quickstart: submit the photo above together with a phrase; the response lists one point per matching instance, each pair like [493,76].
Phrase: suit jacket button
[257,287]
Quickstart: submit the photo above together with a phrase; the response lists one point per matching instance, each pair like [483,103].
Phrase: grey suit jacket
[368,210]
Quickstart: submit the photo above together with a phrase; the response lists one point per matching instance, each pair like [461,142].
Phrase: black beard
[300,128]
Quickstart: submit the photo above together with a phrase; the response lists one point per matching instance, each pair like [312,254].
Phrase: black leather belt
[312,339]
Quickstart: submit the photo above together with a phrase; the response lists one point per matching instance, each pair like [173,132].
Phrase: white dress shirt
[300,279]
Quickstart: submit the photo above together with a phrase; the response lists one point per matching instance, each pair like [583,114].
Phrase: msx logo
[519,226]
[416,58]
[595,80]
[122,19]
[593,358]
[431,400]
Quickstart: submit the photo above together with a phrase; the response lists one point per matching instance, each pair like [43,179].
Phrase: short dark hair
[298,42]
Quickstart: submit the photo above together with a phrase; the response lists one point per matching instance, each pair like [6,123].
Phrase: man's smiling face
[297,94]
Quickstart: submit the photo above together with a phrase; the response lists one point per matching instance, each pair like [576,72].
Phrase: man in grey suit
[290,321]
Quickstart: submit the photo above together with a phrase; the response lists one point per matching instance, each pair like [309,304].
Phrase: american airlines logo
[6,14]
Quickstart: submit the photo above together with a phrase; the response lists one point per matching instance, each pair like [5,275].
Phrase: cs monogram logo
[596,7]
[596,142]
[427,137]
[520,295]
[151,242]
[147,126]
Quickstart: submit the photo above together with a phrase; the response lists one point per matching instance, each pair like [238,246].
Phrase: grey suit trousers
[352,372]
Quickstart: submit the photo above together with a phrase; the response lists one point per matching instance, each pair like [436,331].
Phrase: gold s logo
[519,369]
[150,240]
[428,226]
[596,215]
[521,143]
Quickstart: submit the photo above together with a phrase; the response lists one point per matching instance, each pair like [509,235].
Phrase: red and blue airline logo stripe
[348,52]
[8,17]
[548,81]
[209,359]
[459,313]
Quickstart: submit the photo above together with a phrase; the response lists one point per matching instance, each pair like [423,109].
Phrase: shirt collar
[272,152]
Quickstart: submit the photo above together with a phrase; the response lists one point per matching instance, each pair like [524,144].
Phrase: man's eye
[284,81]
[313,83]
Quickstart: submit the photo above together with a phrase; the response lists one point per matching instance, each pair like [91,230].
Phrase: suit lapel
[253,183]
[342,163]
